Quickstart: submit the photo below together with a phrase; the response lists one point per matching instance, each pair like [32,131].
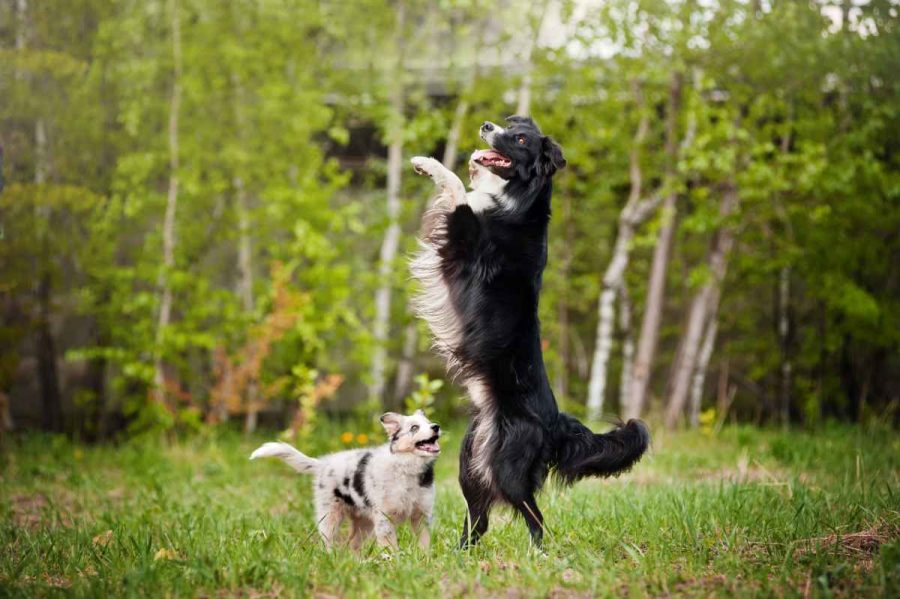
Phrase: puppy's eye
[521,140]
[414,429]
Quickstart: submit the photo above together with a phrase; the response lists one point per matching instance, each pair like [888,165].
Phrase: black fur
[426,477]
[359,484]
[344,497]
[492,263]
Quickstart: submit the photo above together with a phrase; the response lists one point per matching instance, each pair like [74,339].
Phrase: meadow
[744,512]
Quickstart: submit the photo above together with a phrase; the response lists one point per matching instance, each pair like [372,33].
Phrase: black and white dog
[480,266]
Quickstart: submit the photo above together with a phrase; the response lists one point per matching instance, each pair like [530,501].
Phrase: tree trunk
[699,380]
[391,242]
[245,289]
[703,304]
[656,287]
[562,310]
[784,294]
[784,342]
[164,284]
[48,375]
[523,104]
[245,253]
[627,349]
[614,277]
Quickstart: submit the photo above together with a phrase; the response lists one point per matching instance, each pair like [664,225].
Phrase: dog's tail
[287,454]
[580,452]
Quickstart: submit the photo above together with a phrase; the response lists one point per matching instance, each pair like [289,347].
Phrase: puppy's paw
[426,166]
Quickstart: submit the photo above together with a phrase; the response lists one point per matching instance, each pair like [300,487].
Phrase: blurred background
[206,207]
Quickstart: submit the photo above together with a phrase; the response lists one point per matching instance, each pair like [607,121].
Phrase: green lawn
[747,512]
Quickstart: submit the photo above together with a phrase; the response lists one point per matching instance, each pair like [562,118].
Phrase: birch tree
[168,247]
[703,308]
[649,336]
[391,241]
[636,210]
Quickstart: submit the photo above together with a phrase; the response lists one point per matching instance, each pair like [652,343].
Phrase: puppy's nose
[436,428]
[487,126]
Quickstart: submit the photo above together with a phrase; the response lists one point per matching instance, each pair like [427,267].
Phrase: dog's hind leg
[479,499]
[533,519]
[519,474]
[360,529]
[330,518]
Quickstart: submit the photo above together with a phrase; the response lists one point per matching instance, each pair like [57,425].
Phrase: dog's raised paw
[423,165]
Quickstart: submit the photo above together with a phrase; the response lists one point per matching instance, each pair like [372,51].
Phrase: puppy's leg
[444,178]
[385,534]
[361,529]
[330,522]
[421,525]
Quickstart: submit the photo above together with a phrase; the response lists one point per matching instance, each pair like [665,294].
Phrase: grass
[749,512]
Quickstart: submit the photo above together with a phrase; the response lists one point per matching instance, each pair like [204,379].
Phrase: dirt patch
[28,511]
[861,545]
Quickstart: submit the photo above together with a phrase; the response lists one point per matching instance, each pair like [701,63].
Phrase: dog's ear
[551,159]
[391,421]
[515,118]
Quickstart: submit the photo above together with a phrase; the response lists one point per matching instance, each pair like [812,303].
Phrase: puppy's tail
[581,453]
[287,454]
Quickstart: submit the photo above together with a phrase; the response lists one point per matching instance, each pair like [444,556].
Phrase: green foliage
[284,108]
[424,396]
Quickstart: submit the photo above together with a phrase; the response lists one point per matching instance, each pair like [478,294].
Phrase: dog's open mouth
[491,158]
[429,445]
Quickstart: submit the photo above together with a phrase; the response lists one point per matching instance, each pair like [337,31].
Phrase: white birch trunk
[245,253]
[702,305]
[649,337]
[614,277]
[699,380]
[627,348]
[245,290]
[391,242]
[523,104]
[164,285]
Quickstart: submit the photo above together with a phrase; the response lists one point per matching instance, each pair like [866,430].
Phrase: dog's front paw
[425,166]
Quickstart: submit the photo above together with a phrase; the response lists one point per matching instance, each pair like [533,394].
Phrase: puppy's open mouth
[429,445]
[491,158]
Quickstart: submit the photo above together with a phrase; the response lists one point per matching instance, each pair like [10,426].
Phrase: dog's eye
[521,140]
[414,429]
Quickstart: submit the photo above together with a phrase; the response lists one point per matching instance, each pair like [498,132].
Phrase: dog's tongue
[488,155]
[431,447]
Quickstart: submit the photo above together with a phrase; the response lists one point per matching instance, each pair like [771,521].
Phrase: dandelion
[362,438]
[347,437]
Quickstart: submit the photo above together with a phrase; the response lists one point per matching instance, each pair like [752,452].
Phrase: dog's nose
[435,427]
[487,126]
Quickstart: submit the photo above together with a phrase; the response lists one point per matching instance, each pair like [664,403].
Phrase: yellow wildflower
[347,437]
[362,438]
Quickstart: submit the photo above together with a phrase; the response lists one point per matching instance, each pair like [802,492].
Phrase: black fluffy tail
[581,453]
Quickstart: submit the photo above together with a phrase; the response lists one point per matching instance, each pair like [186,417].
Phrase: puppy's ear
[391,421]
[551,158]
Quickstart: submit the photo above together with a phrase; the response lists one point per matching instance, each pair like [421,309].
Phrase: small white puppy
[375,488]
